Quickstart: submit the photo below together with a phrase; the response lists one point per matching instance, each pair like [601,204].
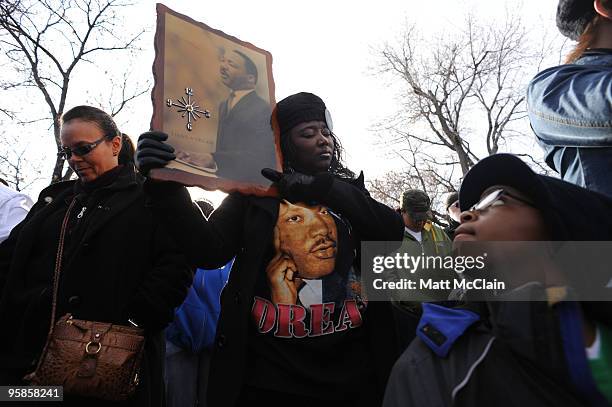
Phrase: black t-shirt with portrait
[306,334]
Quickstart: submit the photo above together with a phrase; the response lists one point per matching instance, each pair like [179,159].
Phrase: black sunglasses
[84,149]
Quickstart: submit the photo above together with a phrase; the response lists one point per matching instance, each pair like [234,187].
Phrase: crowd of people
[261,301]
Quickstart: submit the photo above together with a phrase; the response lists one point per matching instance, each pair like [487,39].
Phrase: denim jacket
[570,108]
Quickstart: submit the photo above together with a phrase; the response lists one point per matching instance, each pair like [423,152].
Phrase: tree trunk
[57,170]
[59,161]
[464,160]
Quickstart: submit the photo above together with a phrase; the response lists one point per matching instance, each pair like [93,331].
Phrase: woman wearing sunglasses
[509,351]
[118,264]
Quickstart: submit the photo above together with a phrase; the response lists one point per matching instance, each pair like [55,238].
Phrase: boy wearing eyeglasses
[510,350]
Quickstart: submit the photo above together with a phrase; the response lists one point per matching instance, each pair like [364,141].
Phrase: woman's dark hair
[336,167]
[588,36]
[126,154]
[94,115]
[585,41]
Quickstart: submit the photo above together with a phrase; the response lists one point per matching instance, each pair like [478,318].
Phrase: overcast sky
[324,47]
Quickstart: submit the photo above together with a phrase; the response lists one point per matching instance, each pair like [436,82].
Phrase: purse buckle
[92,352]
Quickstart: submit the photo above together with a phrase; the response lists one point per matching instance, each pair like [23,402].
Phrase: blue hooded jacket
[195,321]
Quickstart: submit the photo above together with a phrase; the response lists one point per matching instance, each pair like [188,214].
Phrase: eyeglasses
[84,149]
[493,197]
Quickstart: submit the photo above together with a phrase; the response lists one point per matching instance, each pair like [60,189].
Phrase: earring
[115,153]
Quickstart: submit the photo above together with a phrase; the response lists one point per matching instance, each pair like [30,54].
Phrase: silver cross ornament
[188,108]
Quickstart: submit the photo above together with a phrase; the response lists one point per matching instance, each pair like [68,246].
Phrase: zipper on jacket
[80,215]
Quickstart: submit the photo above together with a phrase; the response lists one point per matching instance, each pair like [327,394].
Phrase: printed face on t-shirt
[312,289]
[307,235]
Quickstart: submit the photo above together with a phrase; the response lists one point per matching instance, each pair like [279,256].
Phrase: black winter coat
[120,264]
[243,227]
[514,356]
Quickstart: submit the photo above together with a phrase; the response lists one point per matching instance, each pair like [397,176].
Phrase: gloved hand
[295,186]
[152,152]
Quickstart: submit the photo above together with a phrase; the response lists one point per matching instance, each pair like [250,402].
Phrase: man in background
[416,212]
[421,237]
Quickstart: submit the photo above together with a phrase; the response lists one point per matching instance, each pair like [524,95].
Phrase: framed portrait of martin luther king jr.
[213,96]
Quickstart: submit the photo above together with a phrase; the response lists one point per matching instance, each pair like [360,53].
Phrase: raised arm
[207,244]
[371,219]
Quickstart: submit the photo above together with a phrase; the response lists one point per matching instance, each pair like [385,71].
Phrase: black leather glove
[152,151]
[295,186]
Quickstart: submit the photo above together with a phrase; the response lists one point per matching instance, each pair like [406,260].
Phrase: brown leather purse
[88,358]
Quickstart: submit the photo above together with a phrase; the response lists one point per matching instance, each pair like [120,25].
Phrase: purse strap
[56,275]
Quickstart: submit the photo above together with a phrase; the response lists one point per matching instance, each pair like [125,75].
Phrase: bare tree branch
[45,41]
[462,98]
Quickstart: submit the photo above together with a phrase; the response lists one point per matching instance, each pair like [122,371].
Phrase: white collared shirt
[238,94]
[417,235]
[14,206]
[311,293]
